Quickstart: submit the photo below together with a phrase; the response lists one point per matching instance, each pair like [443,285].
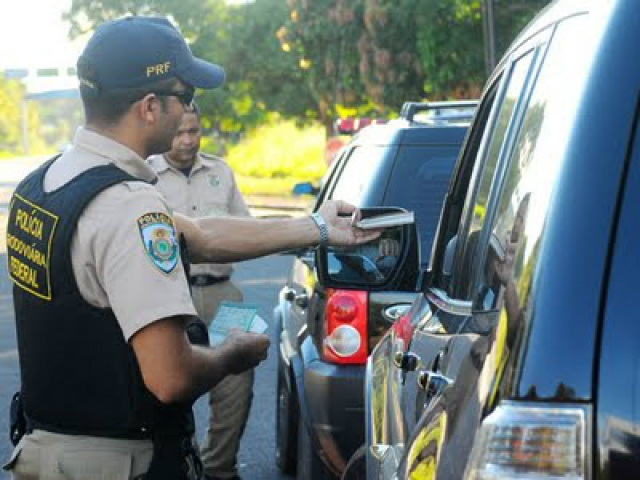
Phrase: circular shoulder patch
[213,180]
[159,239]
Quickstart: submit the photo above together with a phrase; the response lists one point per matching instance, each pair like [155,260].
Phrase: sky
[33,35]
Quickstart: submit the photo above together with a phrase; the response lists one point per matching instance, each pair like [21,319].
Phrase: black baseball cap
[135,51]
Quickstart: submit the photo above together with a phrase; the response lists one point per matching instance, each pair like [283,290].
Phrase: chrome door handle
[407,361]
[433,383]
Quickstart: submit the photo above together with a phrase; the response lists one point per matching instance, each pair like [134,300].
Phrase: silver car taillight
[532,441]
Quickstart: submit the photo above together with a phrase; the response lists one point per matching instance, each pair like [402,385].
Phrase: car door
[439,318]
[617,432]
[496,253]
[397,396]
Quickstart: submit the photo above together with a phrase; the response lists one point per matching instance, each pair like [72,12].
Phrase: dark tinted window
[419,182]
[534,166]
[476,215]
[358,175]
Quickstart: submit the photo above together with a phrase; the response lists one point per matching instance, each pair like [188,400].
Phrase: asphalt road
[260,280]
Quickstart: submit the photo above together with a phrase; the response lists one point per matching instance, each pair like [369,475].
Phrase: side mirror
[305,188]
[389,262]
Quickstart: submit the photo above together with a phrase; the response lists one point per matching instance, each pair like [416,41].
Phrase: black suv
[520,358]
[326,334]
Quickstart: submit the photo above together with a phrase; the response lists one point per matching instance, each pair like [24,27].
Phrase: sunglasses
[185,97]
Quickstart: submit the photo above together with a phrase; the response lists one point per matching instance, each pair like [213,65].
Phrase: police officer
[196,184]
[111,355]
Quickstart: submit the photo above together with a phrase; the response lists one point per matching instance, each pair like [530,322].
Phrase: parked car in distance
[325,334]
[519,358]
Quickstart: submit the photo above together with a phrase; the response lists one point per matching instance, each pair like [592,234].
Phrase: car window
[419,182]
[518,224]
[329,178]
[466,248]
[357,176]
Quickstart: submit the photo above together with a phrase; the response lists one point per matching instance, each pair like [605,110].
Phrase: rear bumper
[332,405]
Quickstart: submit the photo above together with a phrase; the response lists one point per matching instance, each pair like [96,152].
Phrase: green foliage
[259,71]
[451,43]
[11,93]
[311,59]
[390,65]
[12,109]
[450,46]
[280,150]
[193,16]
[321,35]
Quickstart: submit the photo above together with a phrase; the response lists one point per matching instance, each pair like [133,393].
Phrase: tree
[390,65]
[314,59]
[261,78]
[322,36]
[450,41]
[193,16]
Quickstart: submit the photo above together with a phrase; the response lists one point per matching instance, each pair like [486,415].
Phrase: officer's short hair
[109,107]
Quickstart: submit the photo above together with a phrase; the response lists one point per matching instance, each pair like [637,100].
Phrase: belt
[205,280]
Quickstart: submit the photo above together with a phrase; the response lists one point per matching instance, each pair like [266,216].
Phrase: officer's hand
[338,216]
[245,350]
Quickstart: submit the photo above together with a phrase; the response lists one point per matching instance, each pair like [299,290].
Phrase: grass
[280,150]
[271,159]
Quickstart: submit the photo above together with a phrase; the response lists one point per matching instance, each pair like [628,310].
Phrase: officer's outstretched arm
[174,370]
[230,239]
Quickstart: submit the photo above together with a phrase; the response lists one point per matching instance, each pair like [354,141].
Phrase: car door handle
[433,383]
[407,361]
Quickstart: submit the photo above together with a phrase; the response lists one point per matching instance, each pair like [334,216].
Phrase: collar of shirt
[162,164]
[118,154]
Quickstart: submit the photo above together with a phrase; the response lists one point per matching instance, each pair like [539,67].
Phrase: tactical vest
[79,375]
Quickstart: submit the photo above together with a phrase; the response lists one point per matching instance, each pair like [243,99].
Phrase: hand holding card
[235,315]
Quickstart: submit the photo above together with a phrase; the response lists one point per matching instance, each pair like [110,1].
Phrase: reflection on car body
[524,320]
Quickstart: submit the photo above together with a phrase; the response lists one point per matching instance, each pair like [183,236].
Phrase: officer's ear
[148,107]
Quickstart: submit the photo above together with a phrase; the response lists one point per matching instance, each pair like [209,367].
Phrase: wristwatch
[322,226]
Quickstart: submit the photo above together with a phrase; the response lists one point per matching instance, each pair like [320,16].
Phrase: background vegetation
[304,62]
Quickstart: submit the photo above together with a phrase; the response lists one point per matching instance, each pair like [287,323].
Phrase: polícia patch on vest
[30,232]
[159,240]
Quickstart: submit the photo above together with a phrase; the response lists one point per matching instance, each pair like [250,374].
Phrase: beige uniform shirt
[209,190]
[111,262]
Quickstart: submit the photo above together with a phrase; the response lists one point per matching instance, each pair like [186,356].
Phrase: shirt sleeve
[138,259]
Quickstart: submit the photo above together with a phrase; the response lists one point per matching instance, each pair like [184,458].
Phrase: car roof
[403,132]
[550,15]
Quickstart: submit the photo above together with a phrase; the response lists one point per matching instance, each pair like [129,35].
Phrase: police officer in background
[111,352]
[196,184]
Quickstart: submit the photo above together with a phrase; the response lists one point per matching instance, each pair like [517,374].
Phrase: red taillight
[345,340]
